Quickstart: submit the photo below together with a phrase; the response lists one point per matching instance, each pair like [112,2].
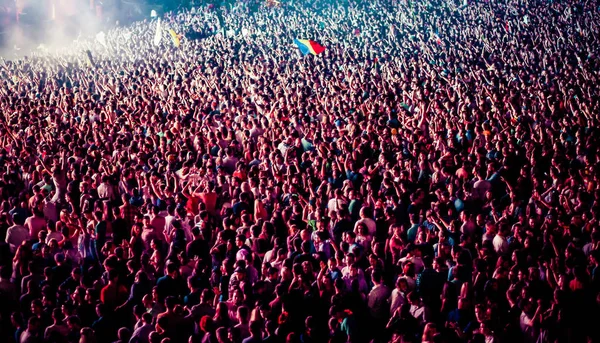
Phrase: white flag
[526,20]
[101,38]
[158,34]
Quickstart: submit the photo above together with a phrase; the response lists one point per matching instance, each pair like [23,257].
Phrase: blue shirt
[411,234]
[349,328]
[430,226]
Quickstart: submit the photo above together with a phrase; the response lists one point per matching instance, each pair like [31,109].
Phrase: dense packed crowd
[432,176]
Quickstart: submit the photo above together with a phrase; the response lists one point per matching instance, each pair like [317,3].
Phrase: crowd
[430,177]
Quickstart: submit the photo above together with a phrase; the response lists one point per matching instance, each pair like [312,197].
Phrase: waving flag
[90,59]
[101,38]
[174,38]
[308,46]
[158,33]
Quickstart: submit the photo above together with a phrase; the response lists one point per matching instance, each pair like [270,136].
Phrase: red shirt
[210,200]
[192,204]
[113,295]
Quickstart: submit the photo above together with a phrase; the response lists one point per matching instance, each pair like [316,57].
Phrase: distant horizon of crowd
[431,176]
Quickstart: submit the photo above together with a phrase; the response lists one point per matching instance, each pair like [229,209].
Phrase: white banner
[158,34]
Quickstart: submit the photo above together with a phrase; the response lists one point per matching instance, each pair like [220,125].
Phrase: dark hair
[139,310]
[377,275]
[171,267]
[195,231]
[255,327]
[170,302]
[5,272]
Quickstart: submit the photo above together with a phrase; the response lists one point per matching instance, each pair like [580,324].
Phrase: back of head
[243,313]
[18,219]
[147,318]
[270,327]
[255,328]
[170,303]
[154,337]
[171,268]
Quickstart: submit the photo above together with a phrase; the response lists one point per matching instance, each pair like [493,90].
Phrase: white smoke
[53,24]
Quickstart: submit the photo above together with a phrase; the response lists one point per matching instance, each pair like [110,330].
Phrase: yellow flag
[174,38]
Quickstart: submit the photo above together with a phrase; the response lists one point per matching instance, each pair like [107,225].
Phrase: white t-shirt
[500,244]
